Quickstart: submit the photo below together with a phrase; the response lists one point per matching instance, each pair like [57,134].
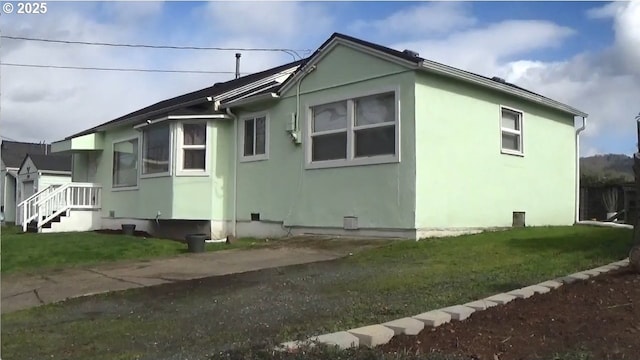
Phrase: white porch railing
[57,199]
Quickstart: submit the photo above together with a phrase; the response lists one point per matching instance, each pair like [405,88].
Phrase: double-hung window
[255,139]
[192,148]
[356,131]
[511,131]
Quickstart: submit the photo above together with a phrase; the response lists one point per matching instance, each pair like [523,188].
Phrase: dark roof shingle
[216,89]
[51,162]
[14,152]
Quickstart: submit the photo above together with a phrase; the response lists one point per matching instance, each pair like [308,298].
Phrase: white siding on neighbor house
[3,173]
[29,172]
[46,180]
[9,201]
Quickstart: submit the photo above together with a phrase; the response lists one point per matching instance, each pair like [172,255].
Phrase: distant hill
[605,169]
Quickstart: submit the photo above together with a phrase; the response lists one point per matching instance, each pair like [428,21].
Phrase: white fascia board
[250,100]
[254,84]
[452,72]
[183,117]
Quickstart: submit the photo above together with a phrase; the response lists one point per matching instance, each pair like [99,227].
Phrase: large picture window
[156,148]
[125,163]
[360,130]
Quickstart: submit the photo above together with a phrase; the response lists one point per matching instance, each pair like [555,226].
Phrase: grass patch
[31,252]
[212,316]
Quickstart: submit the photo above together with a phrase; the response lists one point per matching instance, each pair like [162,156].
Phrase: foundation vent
[112,213]
[518,219]
[350,223]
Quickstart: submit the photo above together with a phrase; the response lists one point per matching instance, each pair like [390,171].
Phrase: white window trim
[162,174]
[267,135]
[179,164]
[351,160]
[511,131]
[127,188]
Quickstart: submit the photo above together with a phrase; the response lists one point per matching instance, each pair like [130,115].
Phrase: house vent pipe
[238,65]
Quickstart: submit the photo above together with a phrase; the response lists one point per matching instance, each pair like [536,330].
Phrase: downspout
[235,171]
[578,131]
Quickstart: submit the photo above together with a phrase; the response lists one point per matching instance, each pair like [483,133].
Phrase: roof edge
[432,66]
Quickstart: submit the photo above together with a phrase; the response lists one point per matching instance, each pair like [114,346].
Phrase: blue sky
[586,54]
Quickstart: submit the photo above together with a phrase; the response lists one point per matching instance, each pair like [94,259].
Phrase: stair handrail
[54,193]
[58,209]
[36,194]
[31,201]
[57,201]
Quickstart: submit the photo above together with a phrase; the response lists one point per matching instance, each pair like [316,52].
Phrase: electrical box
[291,124]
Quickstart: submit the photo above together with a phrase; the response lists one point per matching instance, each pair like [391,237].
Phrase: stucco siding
[463,179]
[282,189]
[165,197]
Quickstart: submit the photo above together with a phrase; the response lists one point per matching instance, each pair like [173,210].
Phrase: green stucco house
[357,140]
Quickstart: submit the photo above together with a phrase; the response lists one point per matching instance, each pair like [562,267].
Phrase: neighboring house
[12,154]
[39,174]
[358,139]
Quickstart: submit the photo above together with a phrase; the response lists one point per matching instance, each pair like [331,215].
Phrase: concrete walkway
[26,291]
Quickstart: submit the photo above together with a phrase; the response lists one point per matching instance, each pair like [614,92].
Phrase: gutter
[182,117]
[578,131]
[235,171]
[250,100]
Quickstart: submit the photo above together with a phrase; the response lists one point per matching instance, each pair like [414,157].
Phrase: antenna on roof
[238,65]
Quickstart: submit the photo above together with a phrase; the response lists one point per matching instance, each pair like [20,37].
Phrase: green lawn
[379,284]
[27,252]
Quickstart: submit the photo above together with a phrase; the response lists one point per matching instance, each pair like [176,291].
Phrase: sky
[585,54]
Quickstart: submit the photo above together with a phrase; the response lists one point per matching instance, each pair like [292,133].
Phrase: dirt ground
[600,317]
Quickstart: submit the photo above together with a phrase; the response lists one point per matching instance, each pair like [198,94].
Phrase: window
[192,148]
[356,131]
[125,163]
[156,148]
[511,128]
[255,141]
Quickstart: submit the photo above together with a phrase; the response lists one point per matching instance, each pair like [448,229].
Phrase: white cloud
[420,20]
[479,50]
[50,104]
[128,12]
[606,11]
[627,28]
[605,84]
[277,22]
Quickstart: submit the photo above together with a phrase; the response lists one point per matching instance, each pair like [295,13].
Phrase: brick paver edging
[379,334]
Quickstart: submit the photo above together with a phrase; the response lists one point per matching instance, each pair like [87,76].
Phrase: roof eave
[250,100]
[431,66]
[134,119]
